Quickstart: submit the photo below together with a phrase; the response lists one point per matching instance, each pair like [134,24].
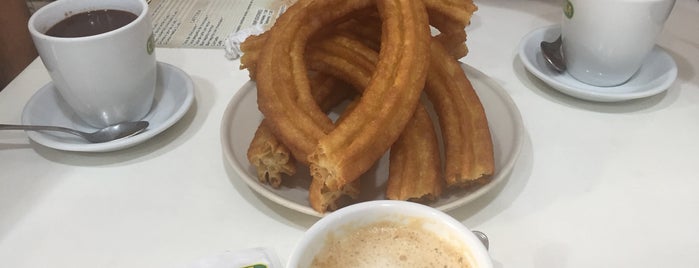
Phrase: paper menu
[208,23]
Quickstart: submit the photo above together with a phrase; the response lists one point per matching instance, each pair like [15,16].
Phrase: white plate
[174,94]
[242,118]
[656,75]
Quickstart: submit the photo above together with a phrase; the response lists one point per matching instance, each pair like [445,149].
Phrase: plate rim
[254,183]
[502,174]
[119,144]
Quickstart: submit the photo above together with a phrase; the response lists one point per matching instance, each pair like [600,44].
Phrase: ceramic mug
[105,78]
[606,41]
[386,232]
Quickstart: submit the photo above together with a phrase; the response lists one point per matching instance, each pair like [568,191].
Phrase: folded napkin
[232,43]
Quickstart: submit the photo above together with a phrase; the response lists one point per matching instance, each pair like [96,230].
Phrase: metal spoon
[553,54]
[106,134]
[483,238]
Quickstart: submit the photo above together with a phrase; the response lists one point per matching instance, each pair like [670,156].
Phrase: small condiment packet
[232,43]
[244,258]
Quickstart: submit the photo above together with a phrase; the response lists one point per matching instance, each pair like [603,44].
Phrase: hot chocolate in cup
[106,74]
[606,41]
[389,234]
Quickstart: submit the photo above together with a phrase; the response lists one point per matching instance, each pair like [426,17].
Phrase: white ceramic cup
[348,219]
[106,78]
[606,41]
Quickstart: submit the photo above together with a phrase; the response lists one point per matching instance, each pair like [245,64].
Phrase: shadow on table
[273,210]
[472,214]
[27,191]
[171,138]
[499,198]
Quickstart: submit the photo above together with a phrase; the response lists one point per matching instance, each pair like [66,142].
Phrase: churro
[340,39]
[467,142]
[283,88]
[387,103]
[272,158]
[414,167]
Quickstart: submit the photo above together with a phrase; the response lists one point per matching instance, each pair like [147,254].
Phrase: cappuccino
[391,244]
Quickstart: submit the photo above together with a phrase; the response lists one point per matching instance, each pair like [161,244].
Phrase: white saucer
[174,94]
[656,75]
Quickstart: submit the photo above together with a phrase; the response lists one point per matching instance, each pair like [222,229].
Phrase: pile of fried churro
[380,56]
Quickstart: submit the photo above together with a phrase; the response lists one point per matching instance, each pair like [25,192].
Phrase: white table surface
[596,185]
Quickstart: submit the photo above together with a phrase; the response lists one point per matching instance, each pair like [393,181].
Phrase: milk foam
[390,244]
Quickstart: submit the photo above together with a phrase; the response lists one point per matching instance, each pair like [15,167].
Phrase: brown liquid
[91,23]
[388,244]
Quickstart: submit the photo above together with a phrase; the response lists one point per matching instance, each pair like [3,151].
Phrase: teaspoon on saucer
[553,54]
[110,133]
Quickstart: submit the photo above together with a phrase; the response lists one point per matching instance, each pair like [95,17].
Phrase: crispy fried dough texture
[383,49]
[414,169]
[272,158]
[387,103]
